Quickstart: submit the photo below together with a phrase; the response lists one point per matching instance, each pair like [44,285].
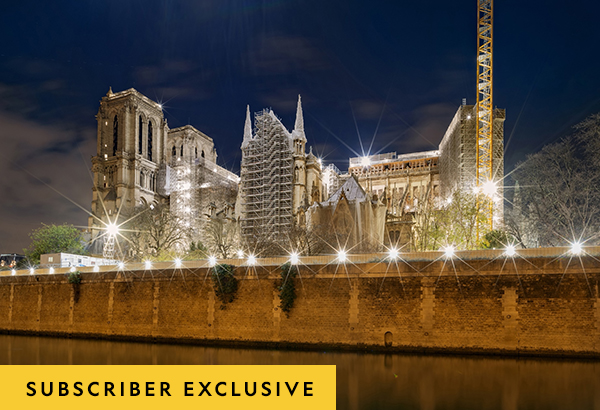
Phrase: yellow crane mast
[484,108]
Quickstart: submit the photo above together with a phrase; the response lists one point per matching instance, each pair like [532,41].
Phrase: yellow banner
[160,387]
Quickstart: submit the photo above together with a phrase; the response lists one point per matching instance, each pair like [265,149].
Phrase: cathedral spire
[299,126]
[247,128]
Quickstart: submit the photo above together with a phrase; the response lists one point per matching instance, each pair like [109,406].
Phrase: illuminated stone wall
[483,306]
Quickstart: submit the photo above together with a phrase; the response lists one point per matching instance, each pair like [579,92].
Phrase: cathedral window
[140,143]
[142,179]
[181,153]
[196,152]
[150,140]
[115,135]
[174,151]
[202,154]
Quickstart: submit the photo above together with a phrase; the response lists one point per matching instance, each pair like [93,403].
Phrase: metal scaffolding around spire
[266,180]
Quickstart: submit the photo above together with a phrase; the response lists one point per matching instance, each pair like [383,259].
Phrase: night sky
[388,73]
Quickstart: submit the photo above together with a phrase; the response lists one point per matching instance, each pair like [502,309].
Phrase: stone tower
[130,149]
[140,161]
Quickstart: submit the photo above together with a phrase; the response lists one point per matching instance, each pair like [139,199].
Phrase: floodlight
[13,272]
[177,263]
[212,261]
[294,258]
[365,161]
[121,265]
[72,269]
[510,251]
[489,188]
[251,260]
[342,256]
[576,248]
[148,265]
[31,271]
[51,271]
[240,254]
[112,229]
[449,251]
[393,253]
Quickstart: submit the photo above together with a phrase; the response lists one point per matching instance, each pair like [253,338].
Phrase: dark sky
[387,73]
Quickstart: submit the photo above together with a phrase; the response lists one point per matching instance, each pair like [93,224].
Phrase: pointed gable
[351,190]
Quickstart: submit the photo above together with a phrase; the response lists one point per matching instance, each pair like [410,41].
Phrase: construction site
[267,180]
[283,188]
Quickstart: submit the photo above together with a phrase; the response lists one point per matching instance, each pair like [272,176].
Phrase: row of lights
[294,258]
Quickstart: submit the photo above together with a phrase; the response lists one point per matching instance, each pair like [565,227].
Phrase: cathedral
[141,162]
[283,194]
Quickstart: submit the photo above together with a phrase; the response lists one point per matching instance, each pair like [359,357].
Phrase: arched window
[142,179]
[115,135]
[196,152]
[140,143]
[202,154]
[174,151]
[181,153]
[150,140]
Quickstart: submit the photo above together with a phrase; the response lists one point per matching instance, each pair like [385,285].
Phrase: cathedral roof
[351,190]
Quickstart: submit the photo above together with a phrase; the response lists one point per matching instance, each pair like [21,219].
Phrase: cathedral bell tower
[130,144]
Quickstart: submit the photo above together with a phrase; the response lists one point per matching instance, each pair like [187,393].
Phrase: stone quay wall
[529,305]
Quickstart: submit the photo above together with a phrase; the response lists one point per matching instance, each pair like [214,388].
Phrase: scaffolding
[458,153]
[267,181]
[184,195]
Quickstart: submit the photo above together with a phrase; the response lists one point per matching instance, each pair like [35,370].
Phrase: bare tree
[153,231]
[559,196]
[222,236]
[316,239]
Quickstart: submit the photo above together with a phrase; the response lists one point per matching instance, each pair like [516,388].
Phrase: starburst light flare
[393,254]
[212,261]
[489,188]
[510,251]
[112,229]
[449,251]
[294,258]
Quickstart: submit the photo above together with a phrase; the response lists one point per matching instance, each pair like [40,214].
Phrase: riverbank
[492,305]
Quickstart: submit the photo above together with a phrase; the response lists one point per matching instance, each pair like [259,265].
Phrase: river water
[364,381]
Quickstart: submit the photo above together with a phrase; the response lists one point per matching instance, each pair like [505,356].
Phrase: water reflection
[364,381]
